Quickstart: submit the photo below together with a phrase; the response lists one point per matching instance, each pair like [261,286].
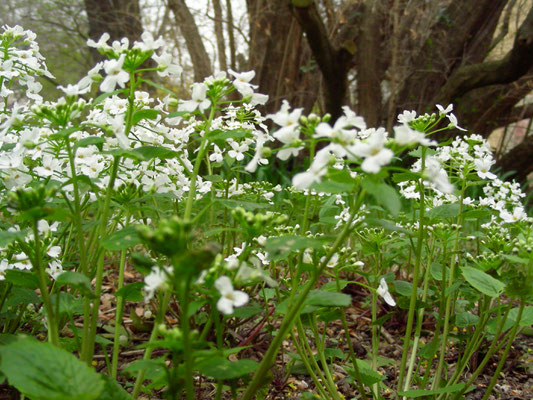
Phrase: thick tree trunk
[119,18]
[193,40]
[280,56]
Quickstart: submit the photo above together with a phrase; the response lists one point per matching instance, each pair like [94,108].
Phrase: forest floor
[516,379]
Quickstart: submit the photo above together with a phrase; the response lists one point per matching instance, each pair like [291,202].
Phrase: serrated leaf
[367,374]
[465,319]
[123,239]
[42,371]
[483,282]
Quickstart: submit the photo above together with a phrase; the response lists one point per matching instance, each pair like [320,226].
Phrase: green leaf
[465,319]
[231,204]
[122,240]
[89,141]
[368,375]
[332,187]
[281,246]
[248,311]
[42,371]
[144,114]
[76,280]
[22,278]
[387,225]
[444,211]
[516,259]
[527,316]
[225,135]
[104,96]
[405,176]
[483,282]
[21,296]
[323,298]
[384,195]
[411,394]
[7,238]
[113,391]
[131,292]
[220,368]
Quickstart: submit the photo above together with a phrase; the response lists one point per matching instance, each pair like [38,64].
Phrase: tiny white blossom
[229,298]
[153,281]
[115,74]
[198,99]
[373,152]
[383,291]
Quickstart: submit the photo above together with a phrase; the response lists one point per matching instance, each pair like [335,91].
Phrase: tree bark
[119,18]
[185,20]
[518,160]
[219,33]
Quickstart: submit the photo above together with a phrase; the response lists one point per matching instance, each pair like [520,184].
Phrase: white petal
[225,306]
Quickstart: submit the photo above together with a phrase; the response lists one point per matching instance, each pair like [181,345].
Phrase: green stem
[197,163]
[53,336]
[187,344]
[412,302]
[153,336]
[88,349]
[119,311]
[503,358]
[294,310]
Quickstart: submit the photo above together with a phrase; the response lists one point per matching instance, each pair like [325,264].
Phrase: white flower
[373,151]
[406,136]
[437,175]
[453,122]
[148,43]
[337,133]
[230,298]
[518,215]
[383,291]
[198,100]
[54,251]
[216,156]
[115,74]
[102,42]
[54,269]
[258,157]
[333,261]
[353,119]
[165,66]
[445,111]
[242,82]
[153,281]
[483,166]
[315,172]
[406,117]
[288,123]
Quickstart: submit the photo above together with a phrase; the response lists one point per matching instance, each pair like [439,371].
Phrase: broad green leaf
[122,240]
[332,187]
[411,394]
[113,391]
[247,205]
[144,114]
[384,195]
[367,374]
[77,280]
[324,298]
[22,278]
[21,296]
[42,371]
[89,141]
[7,237]
[248,311]
[405,176]
[220,368]
[516,259]
[68,304]
[225,135]
[527,316]
[465,319]
[444,211]
[131,292]
[281,246]
[483,282]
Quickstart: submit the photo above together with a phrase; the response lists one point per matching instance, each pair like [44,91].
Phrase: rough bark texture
[219,32]
[280,56]
[119,18]
[193,40]
[519,160]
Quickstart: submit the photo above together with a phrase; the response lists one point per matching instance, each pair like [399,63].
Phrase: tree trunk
[119,18]
[193,40]
[219,33]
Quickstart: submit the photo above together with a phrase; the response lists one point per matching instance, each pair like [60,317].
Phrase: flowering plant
[170,186]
